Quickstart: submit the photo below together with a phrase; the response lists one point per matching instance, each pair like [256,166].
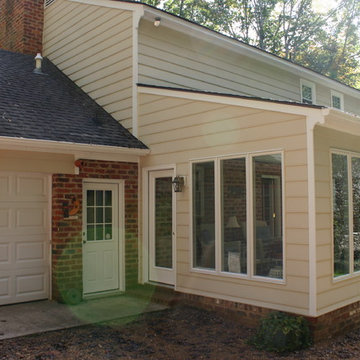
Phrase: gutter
[88,151]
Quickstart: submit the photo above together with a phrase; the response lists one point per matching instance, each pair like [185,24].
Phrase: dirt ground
[178,333]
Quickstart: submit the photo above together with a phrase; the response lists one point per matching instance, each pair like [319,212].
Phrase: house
[264,154]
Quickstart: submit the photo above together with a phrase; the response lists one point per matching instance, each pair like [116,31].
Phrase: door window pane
[90,215]
[108,215]
[99,232]
[97,213]
[340,214]
[90,233]
[204,215]
[108,197]
[108,232]
[163,222]
[233,184]
[90,198]
[267,190]
[99,197]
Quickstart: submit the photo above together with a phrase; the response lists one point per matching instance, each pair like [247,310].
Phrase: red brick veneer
[324,327]
[21,25]
[66,234]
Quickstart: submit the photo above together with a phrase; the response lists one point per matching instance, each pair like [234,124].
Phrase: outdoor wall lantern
[157,21]
[178,183]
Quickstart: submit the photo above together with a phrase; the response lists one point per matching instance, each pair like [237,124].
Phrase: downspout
[137,15]
[311,122]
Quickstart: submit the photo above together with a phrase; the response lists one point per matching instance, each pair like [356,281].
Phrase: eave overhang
[79,151]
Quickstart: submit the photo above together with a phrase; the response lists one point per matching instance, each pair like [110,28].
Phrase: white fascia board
[226,42]
[234,101]
[80,151]
[112,4]
[343,122]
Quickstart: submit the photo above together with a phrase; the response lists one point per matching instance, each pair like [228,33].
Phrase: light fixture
[232,223]
[157,21]
[178,183]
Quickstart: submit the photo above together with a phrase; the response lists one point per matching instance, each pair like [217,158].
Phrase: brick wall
[324,327]
[21,25]
[336,322]
[67,234]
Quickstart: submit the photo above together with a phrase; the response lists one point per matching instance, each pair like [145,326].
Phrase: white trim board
[297,109]
[80,151]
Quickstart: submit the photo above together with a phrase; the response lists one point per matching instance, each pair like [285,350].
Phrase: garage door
[24,237]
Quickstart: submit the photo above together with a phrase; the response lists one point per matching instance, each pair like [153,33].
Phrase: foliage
[327,42]
[280,332]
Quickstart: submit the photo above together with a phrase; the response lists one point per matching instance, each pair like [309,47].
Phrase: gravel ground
[178,333]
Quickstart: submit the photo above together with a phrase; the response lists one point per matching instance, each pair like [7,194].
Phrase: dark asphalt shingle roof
[52,107]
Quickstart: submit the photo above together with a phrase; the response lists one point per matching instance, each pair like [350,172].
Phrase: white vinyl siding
[168,58]
[173,59]
[93,46]
[205,130]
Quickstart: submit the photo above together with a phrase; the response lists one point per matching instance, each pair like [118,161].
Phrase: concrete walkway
[40,316]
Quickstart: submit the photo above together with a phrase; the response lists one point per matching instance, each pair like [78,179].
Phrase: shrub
[280,332]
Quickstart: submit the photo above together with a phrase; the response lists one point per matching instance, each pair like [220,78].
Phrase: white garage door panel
[30,217]
[4,219]
[31,283]
[4,185]
[4,287]
[30,252]
[24,237]
[4,254]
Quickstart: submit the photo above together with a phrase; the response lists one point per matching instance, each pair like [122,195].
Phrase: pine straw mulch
[181,332]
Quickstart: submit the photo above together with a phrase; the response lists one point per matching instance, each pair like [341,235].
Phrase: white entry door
[161,229]
[24,237]
[100,237]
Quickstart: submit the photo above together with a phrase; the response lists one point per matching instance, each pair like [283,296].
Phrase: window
[337,100]
[226,228]
[233,196]
[307,92]
[346,212]
[204,215]
[267,215]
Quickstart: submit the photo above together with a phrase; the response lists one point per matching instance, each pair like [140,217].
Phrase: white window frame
[311,85]
[250,219]
[349,155]
[340,96]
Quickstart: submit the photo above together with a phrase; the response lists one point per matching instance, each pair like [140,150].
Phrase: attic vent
[49,2]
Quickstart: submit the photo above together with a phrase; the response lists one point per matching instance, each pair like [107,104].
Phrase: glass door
[161,232]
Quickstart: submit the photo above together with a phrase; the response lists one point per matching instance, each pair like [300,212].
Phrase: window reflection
[204,215]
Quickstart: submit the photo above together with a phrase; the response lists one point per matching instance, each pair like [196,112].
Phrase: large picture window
[346,213]
[237,211]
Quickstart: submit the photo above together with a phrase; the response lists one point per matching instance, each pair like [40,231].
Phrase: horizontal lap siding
[178,130]
[169,58]
[93,46]
[330,294]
